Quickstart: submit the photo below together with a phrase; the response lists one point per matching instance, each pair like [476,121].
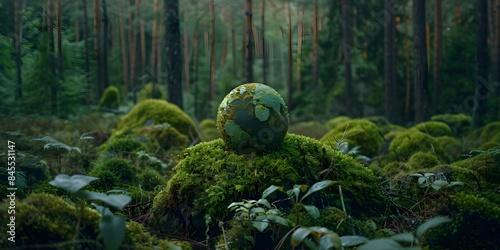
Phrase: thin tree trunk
[223,56]
[17,47]
[289,61]
[233,45]
[300,34]
[264,56]
[59,40]
[159,45]
[211,92]
[347,37]
[187,55]
[87,54]
[408,72]
[97,47]
[420,67]
[249,42]
[143,52]
[481,90]
[174,52]
[428,45]
[53,65]
[124,51]
[438,53]
[105,45]
[315,46]
[496,52]
[389,65]
[77,25]
[153,41]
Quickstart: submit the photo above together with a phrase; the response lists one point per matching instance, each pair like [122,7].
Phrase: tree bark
[123,43]
[420,62]
[289,61]
[315,46]
[496,51]
[105,44]
[264,56]
[438,52]
[481,90]
[153,41]
[17,48]
[187,55]
[174,52]
[300,34]
[389,64]
[249,42]
[54,85]
[59,40]
[347,43]
[211,92]
[86,45]
[143,52]
[97,47]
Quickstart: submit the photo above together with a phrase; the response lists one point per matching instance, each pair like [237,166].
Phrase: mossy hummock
[209,178]
[459,123]
[253,117]
[407,143]
[110,98]
[148,93]
[434,128]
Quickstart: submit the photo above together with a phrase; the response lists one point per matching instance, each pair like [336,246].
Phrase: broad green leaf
[173,246]
[455,183]
[257,210]
[439,184]
[102,210]
[261,223]
[282,221]
[72,184]
[330,241]
[299,235]
[422,229]
[264,202]
[429,174]
[317,187]
[112,228]
[235,204]
[421,180]
[381,244]
[404,237]
[312,210]
[249,238]
[270,190]
[353,240]
[416,175]
[310,244]
[118,201]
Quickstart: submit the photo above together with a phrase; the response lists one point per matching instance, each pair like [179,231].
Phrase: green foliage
[150,179]
[451,146]
[407,143]
[311,129]
[422,160]
[459,123]
[435,181]
[209,129]
[332,123]
[113,173]
[110,98]
[149,93]
[121,147]
[490,130]
[486,164]
[434,128]
[358,132]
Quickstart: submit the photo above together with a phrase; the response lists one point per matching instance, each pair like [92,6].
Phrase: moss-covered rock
[209,178]
[253,117]
[47,219]
[394,167]
[475,224]
[459,123]
[434,128]
[150,179]
[113,173]
[378,120]
[148,93]
[209,129]
[451,146]
[422,160]
[155,112]
[489,131]
[110,98]
[311,129]
[486,164]
[391,128]
[121,147]
[358,132]
[411,141]
[334,122]
[163,137]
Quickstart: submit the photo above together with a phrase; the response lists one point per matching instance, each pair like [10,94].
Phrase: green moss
[391,128]
[150,179]
[434,128]
[475,224]
[358,132]
[451,146]
[486,164]
[311,129]
[394,168]
[489,131]
[334,122]
[207,124]
[407,143]
[378,120]
[120,147]
[155,112]
[209,129]
[113,173]
[422,160]
[489,144]
[209,178]
[110,98]
[164,137]
[147,92]
[459,123]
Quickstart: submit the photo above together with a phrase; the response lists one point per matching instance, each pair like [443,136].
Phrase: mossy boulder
[150,179]
[253,117]
[434,128]
[422,160]
[475,224]
[110,98]
[357,132]
[451,146]
[113,173]
[391,128]
[334,122]
[486,164]
[148,92]
[163,137]
[395,167]
[489,131]
[155,112]
[47,219]
[411,141]
[311,129]
[459,123]
[208,178]
[121,147]
[378,120]
[209,129]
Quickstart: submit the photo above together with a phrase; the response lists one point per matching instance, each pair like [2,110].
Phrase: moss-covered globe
[253,117]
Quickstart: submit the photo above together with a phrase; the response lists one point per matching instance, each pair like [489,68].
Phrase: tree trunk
[289,61]
[389,65]
[153,42]
[97,47]
[495,68]
[264,56]
[481,91]
[105,44]
[300,34]
[174,52]
[143,52]
[123,43]
[54,85]
[420,62]
[315,46]
[233,45]
[407,71]
[249,42]
[211,92]
[187,55]
[17,48]
[347,43]
[86,44]
[438,53]
[59,40]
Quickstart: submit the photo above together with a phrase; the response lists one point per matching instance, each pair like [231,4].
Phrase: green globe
[253,117]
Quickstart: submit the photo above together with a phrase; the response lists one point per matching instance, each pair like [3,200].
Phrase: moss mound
[358,132]
[451,146]
[120,147]
[378,120]
[149,93]
[475,224]
[489,131]
[411,141]
[434,128]
[150,179]
[155,112]
[110,98]
[486,164]
[459,123]
[163,137]
[209,178]
[47,219]
[422,160]
[113,173]
[334,122]
[209,129]
[311,129]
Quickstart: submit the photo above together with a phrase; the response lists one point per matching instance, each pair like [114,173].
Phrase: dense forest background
[406,60]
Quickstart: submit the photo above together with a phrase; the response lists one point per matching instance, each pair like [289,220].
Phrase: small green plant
[434,180]
[112,227]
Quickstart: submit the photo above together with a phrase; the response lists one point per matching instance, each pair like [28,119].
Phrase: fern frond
[87,136]
[52,143]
